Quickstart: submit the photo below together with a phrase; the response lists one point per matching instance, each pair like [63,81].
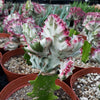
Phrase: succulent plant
[91,16]
[54,45]
[13,24]
[96,55]
[77,15]
[92,28]
[56,29]
[31,9]
[31,31]
[49,53]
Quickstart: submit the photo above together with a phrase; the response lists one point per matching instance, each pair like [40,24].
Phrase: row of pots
[18,83]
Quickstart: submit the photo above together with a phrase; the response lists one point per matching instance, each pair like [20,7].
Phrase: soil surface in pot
[17,64]
[78,62]
[88,87]
[22,94]
[3,41]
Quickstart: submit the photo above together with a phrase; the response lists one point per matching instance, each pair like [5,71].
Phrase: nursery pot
[67,81]
[23,81]
[10,75]
[3,78]
[0,57]
[81,73]
[3,35]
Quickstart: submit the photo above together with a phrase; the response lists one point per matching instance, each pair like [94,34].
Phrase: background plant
[85,7]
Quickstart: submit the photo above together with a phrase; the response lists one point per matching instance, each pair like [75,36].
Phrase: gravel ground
[17,64]
[87,87]
[79,63]
[3,41]
[21,94]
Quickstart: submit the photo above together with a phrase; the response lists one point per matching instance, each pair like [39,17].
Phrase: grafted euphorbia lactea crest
[77,15]
[31,8]
[49,55]
[50,52]
[13,24]
[56,29]
[92,28]
[91,16]
[12,44]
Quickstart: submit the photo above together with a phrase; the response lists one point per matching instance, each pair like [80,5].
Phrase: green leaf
[86,51]
[27,58]
[73,32]
[44,87]
[37,47]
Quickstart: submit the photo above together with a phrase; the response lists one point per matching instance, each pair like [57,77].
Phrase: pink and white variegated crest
[66,69]
[96,55]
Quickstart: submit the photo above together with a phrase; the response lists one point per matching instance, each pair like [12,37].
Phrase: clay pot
[23,81]
[3,35]
[10,75]
[81,73]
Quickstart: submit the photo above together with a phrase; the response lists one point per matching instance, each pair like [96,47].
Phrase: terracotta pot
[81,73]
[23,81]
[67,81]
[10,75]
[3,35]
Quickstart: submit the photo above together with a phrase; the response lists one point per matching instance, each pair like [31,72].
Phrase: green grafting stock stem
[86,51]
[44,87]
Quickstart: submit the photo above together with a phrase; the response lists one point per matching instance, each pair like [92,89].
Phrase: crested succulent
[55,45]
[96,55]
[66,68]
[31,31]
[77,15]
[92,28]
[10,19]
[56,29]
[31,9]
[49,53]
[13,24]
[95,16]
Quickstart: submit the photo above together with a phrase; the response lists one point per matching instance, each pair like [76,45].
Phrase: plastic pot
[3,78]
[3,35]
[67,81]
[81,73]
[0,57]
[23,81]
[10,75]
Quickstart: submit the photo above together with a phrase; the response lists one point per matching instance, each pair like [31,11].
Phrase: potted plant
[51,53]
[85,82]
[22,85]
[4,38]
[91,28]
